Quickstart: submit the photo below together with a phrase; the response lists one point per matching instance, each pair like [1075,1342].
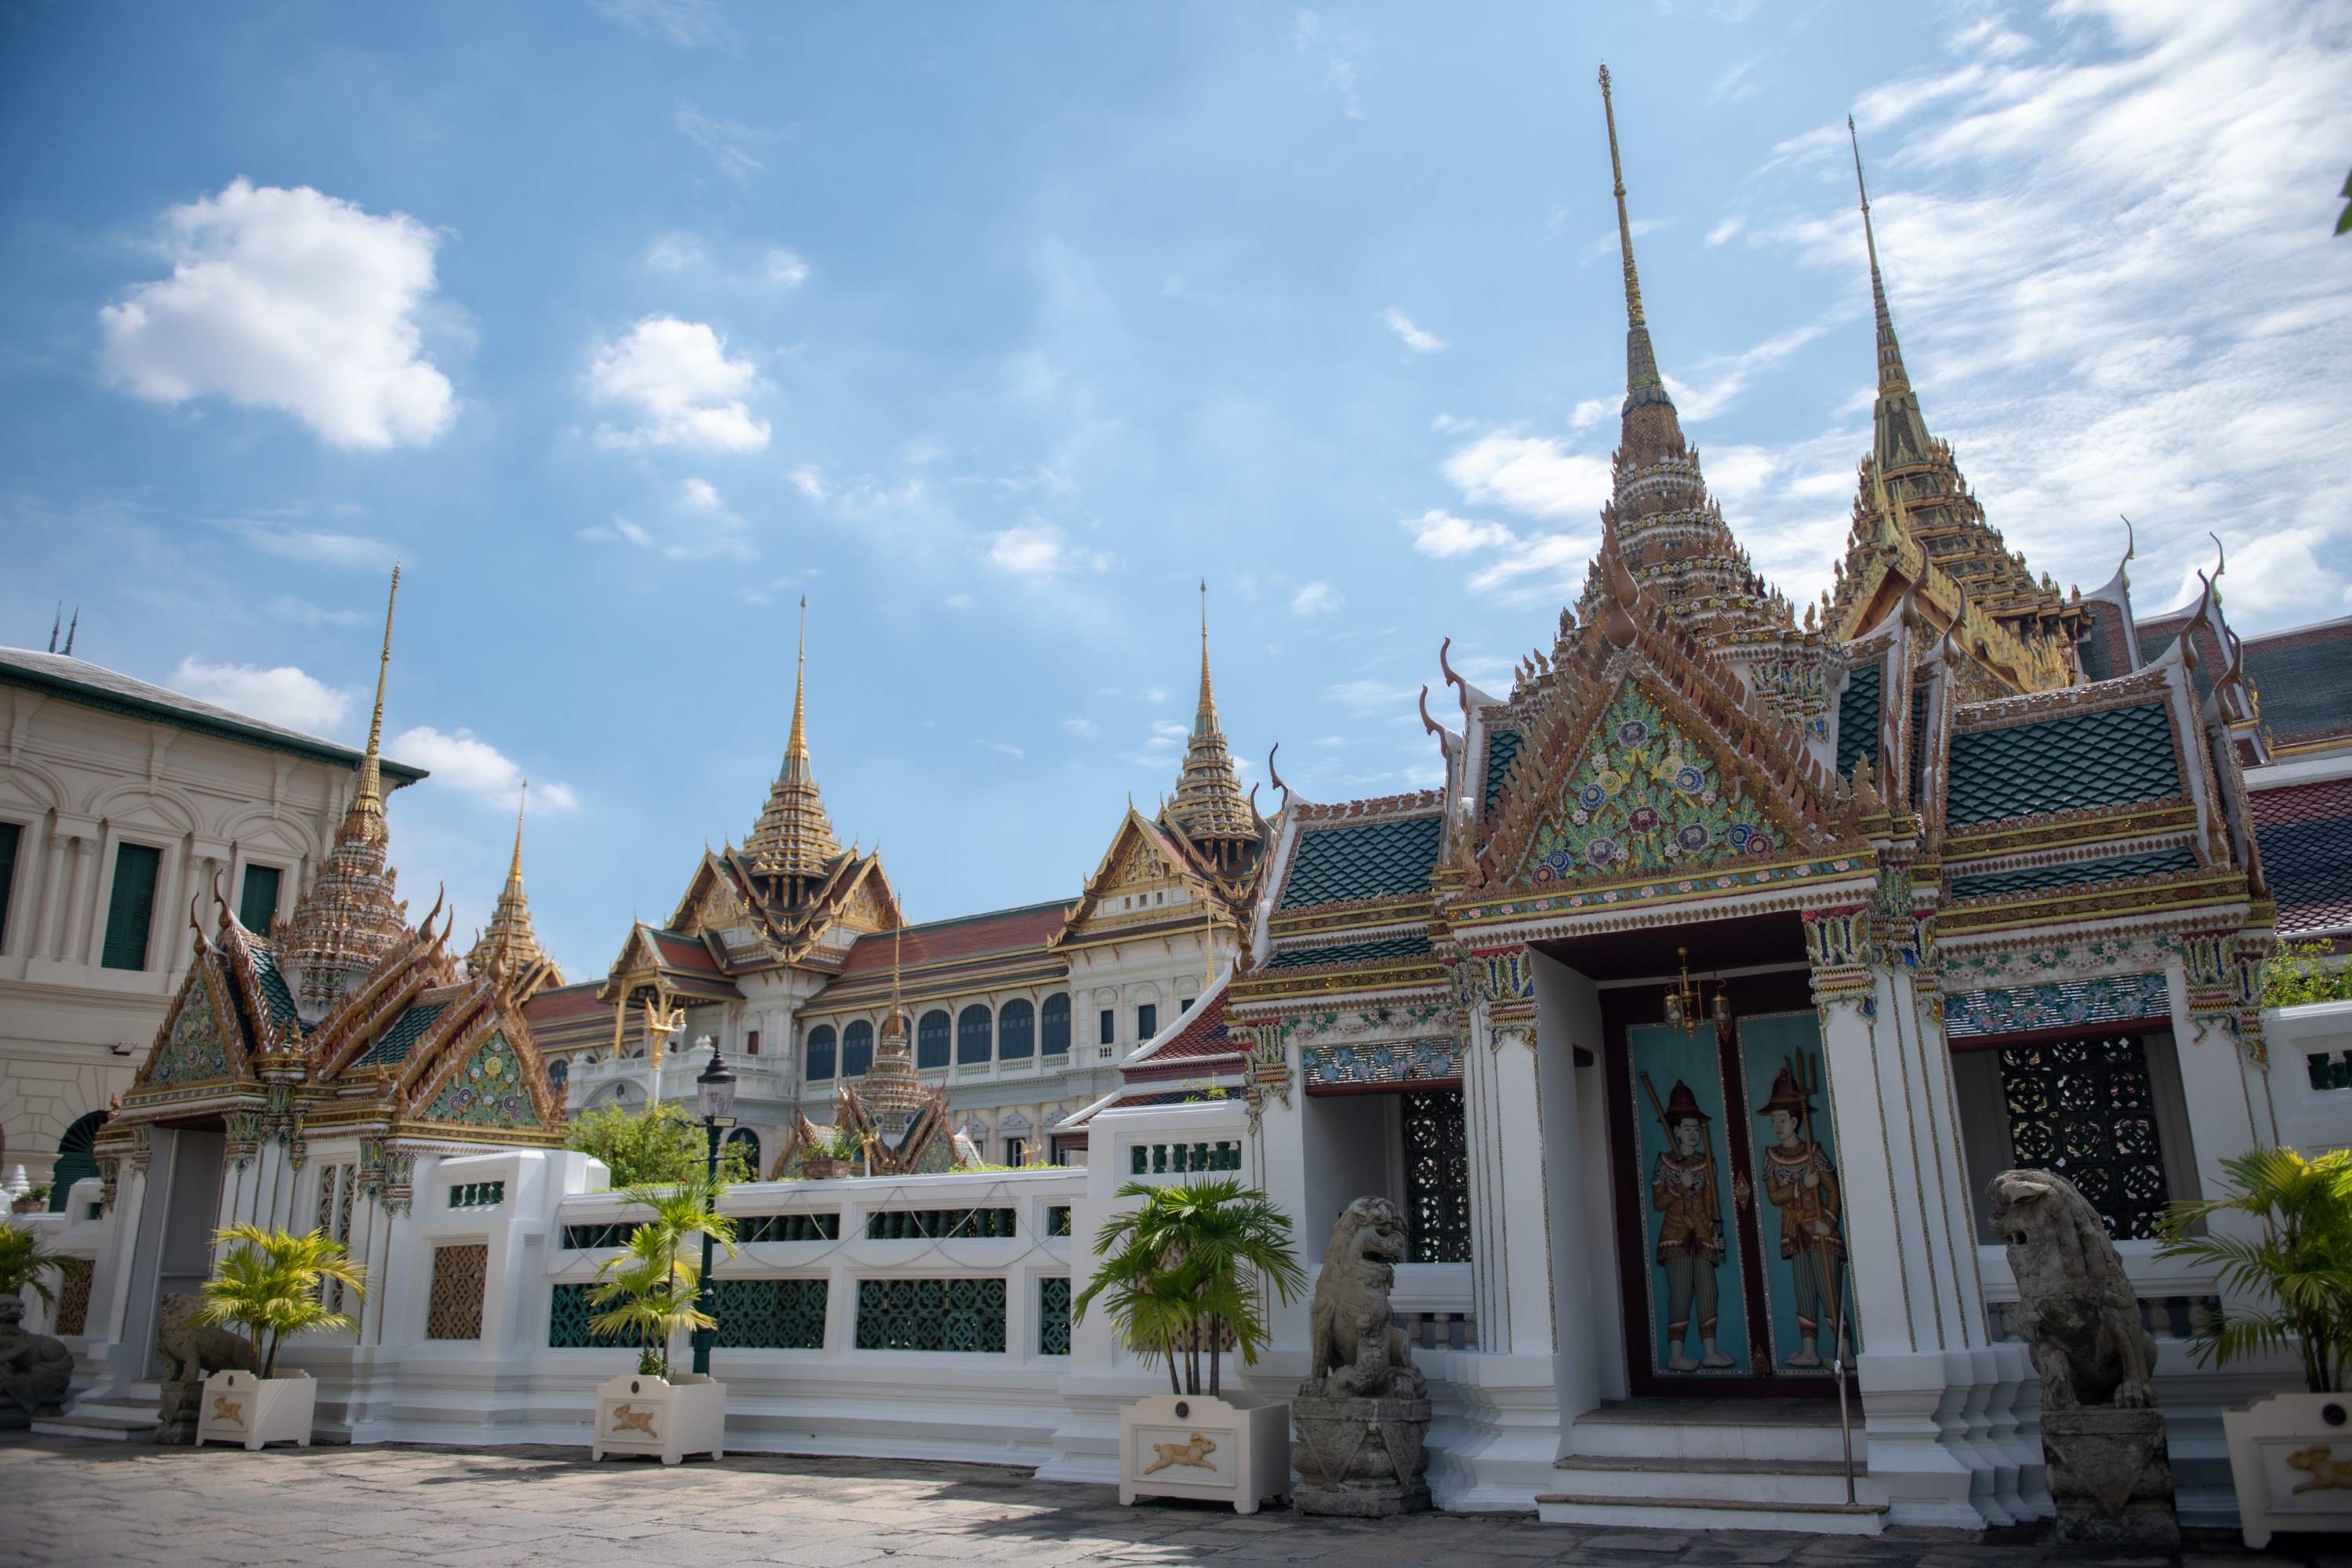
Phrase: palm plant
[272,1285]
[650,1288]
[1186,1270]
[24,1258]
[2300,1258]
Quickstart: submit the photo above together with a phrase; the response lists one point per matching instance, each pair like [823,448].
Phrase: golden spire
[348,919]
[510,942]
[1642,382]
[794,837]
[1899,431]
[1209,801]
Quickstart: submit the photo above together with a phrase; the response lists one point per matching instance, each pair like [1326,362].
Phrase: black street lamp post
[716,1088]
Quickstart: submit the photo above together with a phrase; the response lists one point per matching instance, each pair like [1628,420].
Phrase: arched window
[975,1034]
[1055,1017]
[559,1072]
[856,1048]
[1016,1031]
[743,1137]
[820,1053]
[76,1158]
[931,1040]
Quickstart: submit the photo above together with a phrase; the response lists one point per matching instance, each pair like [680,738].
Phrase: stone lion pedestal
[1362,1417]
[2111,1477]
[35,1370]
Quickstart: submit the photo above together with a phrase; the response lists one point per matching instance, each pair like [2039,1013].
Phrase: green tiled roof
[1502,745]
[274,988]
[1367,860]
[1351,952]
[2109,758]
[2073,873]
[405,1031]
[2307,691]
[1858,718]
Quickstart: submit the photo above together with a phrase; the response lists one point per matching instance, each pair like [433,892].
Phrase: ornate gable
[476,1065]
[199,1042]
[489,1088]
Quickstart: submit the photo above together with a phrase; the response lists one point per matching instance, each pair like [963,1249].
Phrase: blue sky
[994,328]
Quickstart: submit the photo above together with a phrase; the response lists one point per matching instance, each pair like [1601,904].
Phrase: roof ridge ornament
[794,837]
[1642,382]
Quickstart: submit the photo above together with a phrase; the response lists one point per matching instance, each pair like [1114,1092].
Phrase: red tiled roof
[681,952]
[562,1003]
[974,936]
[1204,1035]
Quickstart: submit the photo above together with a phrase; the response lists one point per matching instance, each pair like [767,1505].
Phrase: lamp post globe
[715,1093]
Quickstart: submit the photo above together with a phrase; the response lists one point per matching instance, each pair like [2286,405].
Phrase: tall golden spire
[510,942]
[349,919]
[1209,802]
[1643,386]
[794,837]
[1898,429]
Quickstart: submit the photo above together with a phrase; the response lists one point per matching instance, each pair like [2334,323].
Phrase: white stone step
[1701,1429]
[100,1428]
[1729,1480]
[1710,1513]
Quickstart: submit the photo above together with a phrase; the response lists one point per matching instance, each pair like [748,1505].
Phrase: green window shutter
[131,910]
[9,833]
[259,905]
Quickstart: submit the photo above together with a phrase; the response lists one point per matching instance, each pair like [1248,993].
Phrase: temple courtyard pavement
[71,1501]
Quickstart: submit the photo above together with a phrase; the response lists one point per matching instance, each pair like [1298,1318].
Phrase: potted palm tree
[271,1283]
[649,1292]
[24,1257]
[2285,1268]
[1184,1276]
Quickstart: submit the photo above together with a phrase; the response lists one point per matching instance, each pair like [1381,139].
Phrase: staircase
[1715,1464]
[130,1420]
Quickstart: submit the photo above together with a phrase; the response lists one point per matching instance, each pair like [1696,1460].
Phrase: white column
[45,924]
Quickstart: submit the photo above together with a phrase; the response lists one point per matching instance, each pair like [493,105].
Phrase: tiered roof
[794,837]
[509,943]
[1209,804]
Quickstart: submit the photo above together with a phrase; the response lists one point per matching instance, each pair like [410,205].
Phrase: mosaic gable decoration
[488,1090]
[1415,1061]
[2058,1005]
[194,1049]
[1643,798]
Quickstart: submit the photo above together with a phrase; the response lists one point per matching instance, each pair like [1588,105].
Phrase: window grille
[454,1311]
[788,1227]
[1054,1315]
[589,1237]
[2083,1109]
[131,909]
[931,1037]
[1436,1178]
[770,1314]
[1176,1159]
[478,1194]
[73,1294]
[962,1315]
[898,1224]
[1016,1032]
[1057,1220]
[567,1322]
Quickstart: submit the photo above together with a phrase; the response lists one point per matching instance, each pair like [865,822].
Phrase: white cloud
[1532,475]
[1315,599]
[689,24]
[1413,338]
[678,375]
[290,300]
[1085,727]
[1370,698]
[723,139]
[958,601]
[809,481]
[315,547]
[1037,549]
[1439,533]
[674,253]
[476,767]
[786,269]
[1727,229]
[282,696]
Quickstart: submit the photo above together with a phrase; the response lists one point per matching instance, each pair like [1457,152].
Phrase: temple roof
[949,957]
[509,943]
[794,837]
[2110,756]
[1344,861]
[1209,804]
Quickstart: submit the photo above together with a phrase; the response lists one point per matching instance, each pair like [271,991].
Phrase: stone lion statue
[1358,1350]
[35,1370]
[190,1350]
[2076,1311]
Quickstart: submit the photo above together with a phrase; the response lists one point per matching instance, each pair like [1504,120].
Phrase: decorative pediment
[490,1088]
[199,1042]
[1645,797]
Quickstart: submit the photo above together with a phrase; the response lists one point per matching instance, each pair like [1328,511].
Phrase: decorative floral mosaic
[195,1051]
[2059,1004]
[487,1092]
[2080,959]
[1643,799]
[1419,1061]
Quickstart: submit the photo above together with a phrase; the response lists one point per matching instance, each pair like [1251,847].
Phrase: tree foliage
[663,1145]
[2300,1258]
[1185,1271]
[649,1291]
[2302,972]
[271,1285]
[24,1258]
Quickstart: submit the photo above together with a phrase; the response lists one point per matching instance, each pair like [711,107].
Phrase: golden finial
[371,788]
[514,872]
[1624,229]
[1891,374]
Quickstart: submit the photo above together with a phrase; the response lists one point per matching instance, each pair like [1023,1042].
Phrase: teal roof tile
[1351,952]
[1858,718]
[2305,685]
[275,989]
[2073,873]
[1502,745]
[2112,757]
[1362,860]
[405,1031]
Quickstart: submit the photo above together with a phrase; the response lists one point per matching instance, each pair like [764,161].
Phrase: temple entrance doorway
[1726,1177]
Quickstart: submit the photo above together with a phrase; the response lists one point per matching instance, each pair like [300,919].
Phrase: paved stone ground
[63,1500]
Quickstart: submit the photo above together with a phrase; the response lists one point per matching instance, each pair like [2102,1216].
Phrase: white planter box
[2293,1464]
[239,1407]
[641,1414]
[1232,1450]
